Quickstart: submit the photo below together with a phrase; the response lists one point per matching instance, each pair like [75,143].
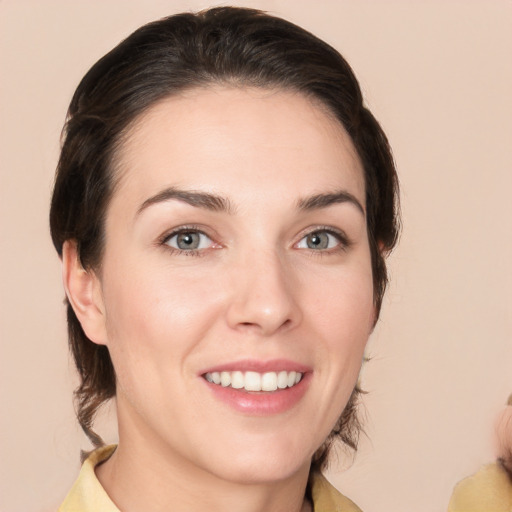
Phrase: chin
[259,464]
[270,472]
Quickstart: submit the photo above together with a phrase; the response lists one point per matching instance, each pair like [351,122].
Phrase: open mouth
[254,381]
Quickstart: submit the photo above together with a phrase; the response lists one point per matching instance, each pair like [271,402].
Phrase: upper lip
[260,366]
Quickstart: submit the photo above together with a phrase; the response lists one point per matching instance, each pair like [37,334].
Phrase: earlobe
[84,294]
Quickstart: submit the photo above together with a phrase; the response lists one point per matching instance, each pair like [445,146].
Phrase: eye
[321,240]
[188,240]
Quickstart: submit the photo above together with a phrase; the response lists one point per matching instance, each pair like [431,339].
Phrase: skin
[254,290]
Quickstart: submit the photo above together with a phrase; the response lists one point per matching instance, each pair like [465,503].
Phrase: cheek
[344,306]
[155,320]
[343,318]
[156,313]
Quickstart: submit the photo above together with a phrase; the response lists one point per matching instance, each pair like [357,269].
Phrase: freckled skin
[254,290]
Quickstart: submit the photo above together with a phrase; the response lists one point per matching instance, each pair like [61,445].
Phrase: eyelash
[344,242]
[164,239]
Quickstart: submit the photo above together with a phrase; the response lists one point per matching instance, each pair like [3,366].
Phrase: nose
[264,298]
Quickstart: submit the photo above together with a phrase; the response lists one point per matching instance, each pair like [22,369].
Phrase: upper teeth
[254,381]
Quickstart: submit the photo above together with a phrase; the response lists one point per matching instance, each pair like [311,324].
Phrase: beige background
[439,77]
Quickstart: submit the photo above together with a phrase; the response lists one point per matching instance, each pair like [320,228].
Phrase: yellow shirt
[488,490]
[87,494]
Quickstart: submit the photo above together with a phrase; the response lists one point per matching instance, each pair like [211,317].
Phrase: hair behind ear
[87,340]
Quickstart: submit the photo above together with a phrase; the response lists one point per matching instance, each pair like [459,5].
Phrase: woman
[223,206]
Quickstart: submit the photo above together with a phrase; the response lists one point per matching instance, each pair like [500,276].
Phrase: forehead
[236,141]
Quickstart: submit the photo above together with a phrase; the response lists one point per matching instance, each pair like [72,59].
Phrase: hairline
[115,164]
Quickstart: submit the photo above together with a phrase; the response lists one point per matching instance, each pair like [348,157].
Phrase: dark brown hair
[505,460]
[226,45]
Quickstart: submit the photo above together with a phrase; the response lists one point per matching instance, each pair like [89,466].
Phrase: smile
[255,381]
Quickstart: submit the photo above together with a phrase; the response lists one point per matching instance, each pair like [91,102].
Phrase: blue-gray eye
[189,241]
[319,240]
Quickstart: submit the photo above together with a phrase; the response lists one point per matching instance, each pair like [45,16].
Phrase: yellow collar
[87,494]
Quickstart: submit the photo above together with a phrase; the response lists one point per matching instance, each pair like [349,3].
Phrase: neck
[144,477]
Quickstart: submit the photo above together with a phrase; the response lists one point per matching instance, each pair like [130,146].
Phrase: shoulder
[326,498]
[87,494]
[489,489]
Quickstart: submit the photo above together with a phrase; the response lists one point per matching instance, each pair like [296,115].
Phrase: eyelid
[344,241]
[204,241]
[166,236]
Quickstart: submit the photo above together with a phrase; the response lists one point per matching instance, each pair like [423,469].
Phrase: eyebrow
[216,203]
[204,200]
[319,201]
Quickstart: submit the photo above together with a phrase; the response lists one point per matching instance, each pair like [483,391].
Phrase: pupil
[188,241]
[318,241]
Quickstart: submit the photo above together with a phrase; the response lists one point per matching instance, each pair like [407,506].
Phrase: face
[236,285]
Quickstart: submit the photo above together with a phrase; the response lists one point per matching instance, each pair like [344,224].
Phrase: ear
[83,289]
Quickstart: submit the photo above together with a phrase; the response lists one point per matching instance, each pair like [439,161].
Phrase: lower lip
[261,403]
